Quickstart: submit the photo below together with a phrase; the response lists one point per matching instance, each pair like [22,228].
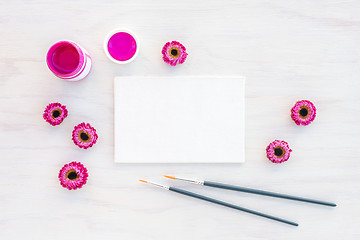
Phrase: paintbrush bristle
[171,177]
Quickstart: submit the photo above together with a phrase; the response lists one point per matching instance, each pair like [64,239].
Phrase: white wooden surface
[288,50]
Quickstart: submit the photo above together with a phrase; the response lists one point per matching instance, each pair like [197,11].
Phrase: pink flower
[84,135]
[304,112]
[73,175]
[278,151]
[55,113]
[174,53]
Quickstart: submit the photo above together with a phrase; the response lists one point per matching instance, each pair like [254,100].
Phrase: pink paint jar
[121,46]
[68,60]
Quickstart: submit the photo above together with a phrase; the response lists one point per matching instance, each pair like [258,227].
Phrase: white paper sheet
[179,120]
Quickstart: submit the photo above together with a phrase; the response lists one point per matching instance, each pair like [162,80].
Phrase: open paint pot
[121,46]
[69,61]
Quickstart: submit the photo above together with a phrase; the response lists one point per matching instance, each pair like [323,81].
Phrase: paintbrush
[253,191]
[202,197]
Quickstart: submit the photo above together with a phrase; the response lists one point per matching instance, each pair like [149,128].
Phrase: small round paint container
[68,60]
[121,46]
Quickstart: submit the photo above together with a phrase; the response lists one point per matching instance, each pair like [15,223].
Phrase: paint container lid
[121,46]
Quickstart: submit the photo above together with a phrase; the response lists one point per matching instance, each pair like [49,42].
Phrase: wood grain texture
[288,50]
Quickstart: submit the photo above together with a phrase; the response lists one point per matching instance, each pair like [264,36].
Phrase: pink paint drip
[122,46]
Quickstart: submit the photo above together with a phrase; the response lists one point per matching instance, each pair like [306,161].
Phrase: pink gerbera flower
[304,112]
[278,151]
[84,135]
[174,53]
[73,175]
[55,113]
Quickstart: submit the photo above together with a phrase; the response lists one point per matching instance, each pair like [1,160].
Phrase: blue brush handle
[191,194]
[266,193]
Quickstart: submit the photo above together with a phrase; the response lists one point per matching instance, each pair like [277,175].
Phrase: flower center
[304,112]
[56,113]
[279,151]
[84,136]
[174,52]
[72,175]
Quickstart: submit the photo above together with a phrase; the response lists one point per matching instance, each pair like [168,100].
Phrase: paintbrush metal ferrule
[194,181]
[155,184]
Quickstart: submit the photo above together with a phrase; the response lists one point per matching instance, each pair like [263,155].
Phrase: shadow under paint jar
[68,60]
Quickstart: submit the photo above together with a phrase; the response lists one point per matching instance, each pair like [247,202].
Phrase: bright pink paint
[122,46]
[65,58]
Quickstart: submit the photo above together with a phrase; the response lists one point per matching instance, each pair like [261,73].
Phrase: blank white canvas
[179,120]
